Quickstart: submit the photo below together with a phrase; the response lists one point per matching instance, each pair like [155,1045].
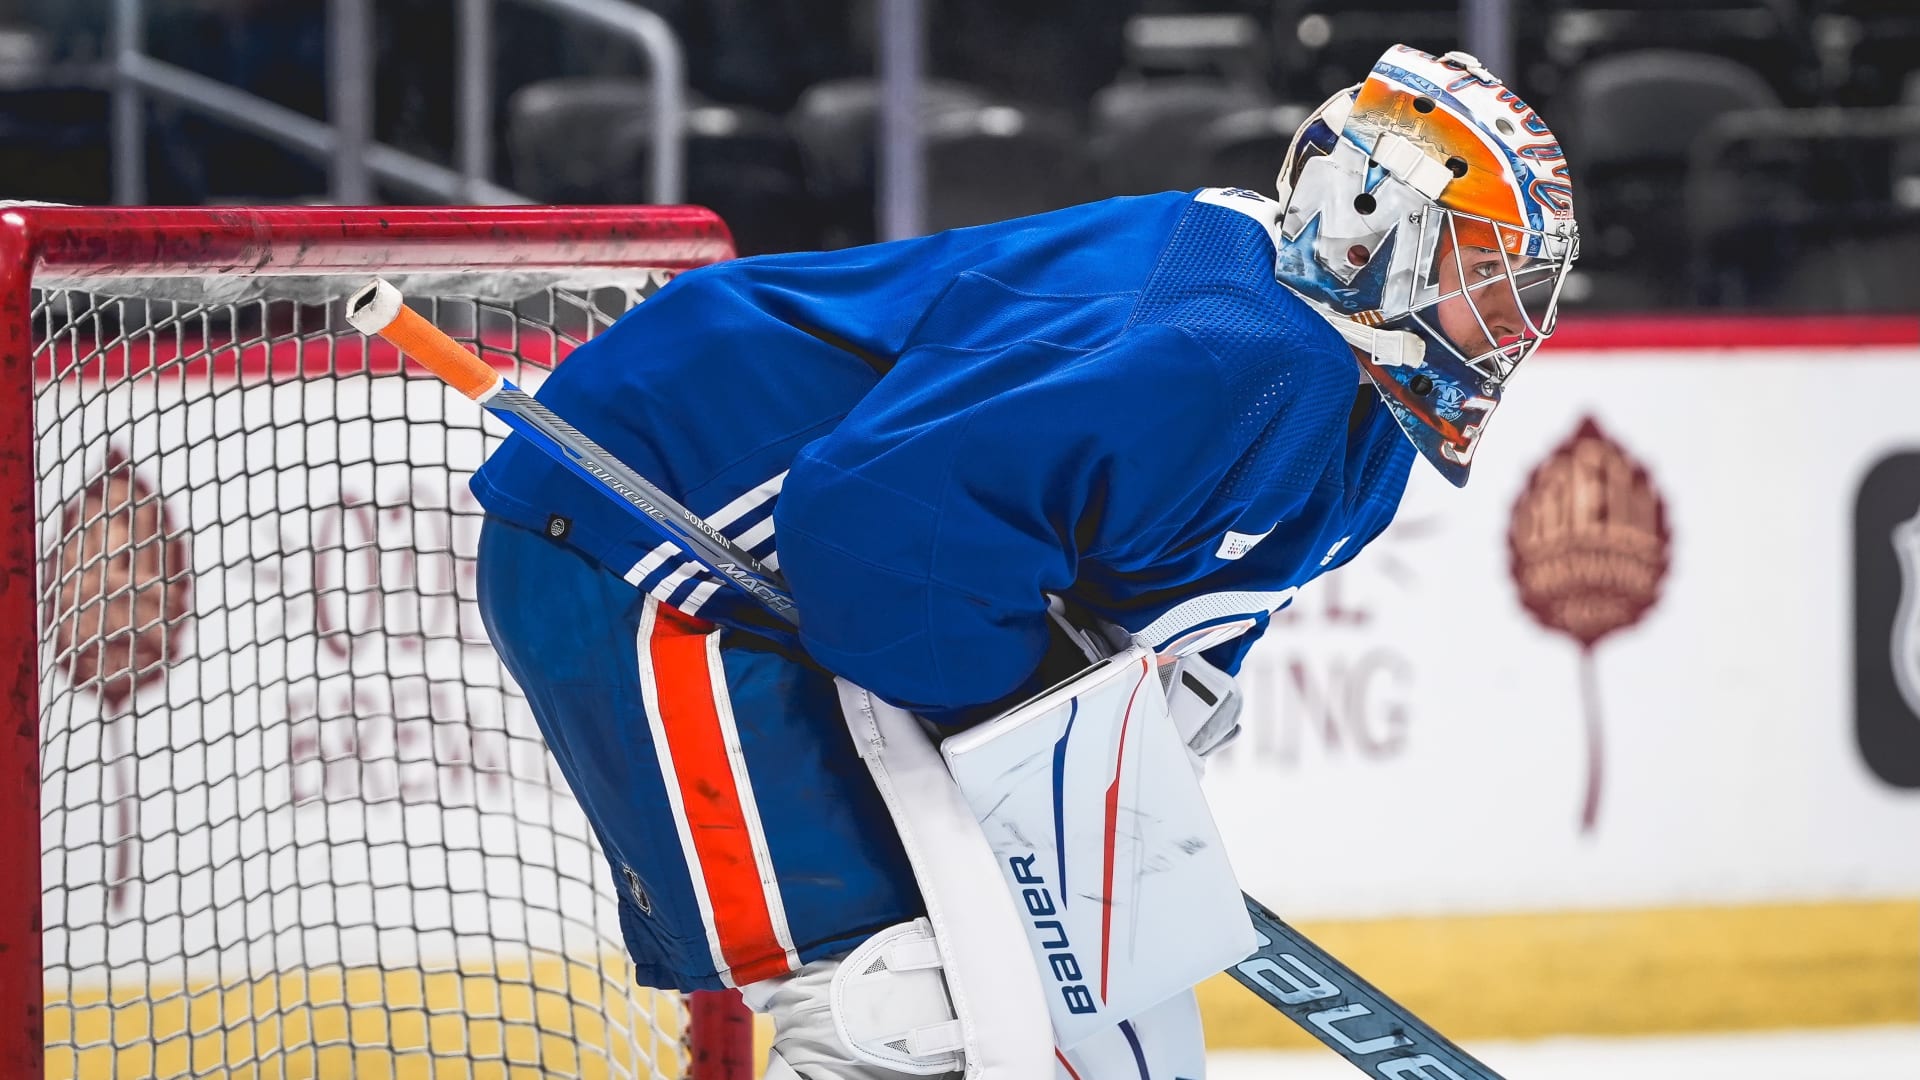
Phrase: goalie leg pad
[778,1069]
[978,933]
[879,1013]
[890,1003]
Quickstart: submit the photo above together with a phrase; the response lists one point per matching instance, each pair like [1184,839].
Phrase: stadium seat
[1146,132]
[1629,122]
[1647,107]
[558,135]
[1881,39]
[590,140]
[1324,45]
[835,124]
[1853,273]
[1905,165]
[53,144]
[993,162]
[1050,55]
[741,162]
[1245,148]
[1224,45]
[1770,39]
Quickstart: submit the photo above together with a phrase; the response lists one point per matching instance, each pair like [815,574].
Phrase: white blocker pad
[1163,1043]
[995,991]
[1098,824]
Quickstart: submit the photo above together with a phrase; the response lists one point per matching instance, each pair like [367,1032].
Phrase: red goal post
[292,817]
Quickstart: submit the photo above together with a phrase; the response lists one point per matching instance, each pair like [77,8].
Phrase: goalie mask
[1429,217]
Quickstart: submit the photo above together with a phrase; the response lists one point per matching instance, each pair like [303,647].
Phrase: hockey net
[294,819]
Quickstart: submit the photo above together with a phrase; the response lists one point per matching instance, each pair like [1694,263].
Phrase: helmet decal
[1429,217]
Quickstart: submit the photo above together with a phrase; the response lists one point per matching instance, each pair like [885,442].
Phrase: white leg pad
[778,1069]
[838,1019]
[890,1003]
[999,1002]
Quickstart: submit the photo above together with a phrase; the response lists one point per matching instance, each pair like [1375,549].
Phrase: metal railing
[345,141]
[902,181]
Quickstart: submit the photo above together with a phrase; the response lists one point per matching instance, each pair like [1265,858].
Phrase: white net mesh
[296,821]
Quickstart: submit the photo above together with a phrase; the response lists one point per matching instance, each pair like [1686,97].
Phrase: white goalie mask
[1428,215]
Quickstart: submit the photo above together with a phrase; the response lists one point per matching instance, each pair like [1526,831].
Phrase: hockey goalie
[1036,487]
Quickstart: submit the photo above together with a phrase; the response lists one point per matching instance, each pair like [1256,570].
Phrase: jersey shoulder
[1215,280]
[1289,377]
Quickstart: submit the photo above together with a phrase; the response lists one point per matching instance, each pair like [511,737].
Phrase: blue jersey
[1115,403]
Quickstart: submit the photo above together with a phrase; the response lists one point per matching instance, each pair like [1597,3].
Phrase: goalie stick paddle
[1345,1011]
[1292,974]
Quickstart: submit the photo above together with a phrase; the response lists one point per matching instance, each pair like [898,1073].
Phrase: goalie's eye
[1484,265]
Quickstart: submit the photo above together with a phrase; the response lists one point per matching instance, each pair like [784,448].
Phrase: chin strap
[1388,348]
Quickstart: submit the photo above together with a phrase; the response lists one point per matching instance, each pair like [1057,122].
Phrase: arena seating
[1034,106]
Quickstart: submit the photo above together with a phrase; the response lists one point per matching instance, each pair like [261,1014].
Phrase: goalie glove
[1204,702]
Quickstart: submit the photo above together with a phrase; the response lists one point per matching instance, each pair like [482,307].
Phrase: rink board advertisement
[1622,736]
[1625,735]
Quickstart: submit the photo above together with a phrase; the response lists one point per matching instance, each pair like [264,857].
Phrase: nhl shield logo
[1905,653]
[1886,619]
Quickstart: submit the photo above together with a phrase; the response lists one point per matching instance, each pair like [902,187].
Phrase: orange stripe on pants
[715,819]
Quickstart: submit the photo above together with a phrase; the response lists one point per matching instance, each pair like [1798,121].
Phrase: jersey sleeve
[921,536]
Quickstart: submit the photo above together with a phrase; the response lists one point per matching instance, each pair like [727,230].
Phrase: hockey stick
[1345,1011]
[1292,974]
[378,310]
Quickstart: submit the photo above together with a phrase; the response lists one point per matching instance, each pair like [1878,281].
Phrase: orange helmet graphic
[1429,216]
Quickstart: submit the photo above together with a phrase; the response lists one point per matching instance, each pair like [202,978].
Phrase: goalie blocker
[1098,826]
[1084,804]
